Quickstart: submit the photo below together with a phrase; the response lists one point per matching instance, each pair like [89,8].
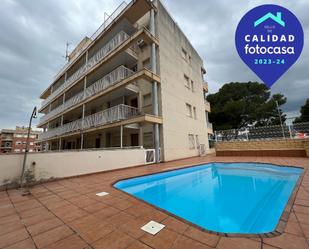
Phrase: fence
[294,131]
[115,42]
[100,30]
[108,80]
[113,114]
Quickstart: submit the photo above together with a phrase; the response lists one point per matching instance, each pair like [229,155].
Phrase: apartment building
[14,140]
[136,82]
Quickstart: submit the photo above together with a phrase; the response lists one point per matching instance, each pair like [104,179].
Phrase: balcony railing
[113,114]
[108,80]
[115,42]
[207,105]
[101,29]
[209,126]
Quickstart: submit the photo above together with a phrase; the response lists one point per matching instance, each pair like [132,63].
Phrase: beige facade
[137,82]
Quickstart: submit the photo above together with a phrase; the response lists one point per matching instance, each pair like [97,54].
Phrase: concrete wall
[65,164]
[174,94]
[282,145]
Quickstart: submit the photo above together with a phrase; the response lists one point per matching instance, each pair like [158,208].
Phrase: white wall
[65,164]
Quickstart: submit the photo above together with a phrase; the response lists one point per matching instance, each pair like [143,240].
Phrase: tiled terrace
[68,214]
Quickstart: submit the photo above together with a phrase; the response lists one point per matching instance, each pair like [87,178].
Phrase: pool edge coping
[280,227]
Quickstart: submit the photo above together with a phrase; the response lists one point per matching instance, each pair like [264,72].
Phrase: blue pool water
[221,197]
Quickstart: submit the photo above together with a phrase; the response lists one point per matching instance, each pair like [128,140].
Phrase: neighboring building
[14,141]
[136,82]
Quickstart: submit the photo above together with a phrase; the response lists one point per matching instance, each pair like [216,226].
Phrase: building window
[16,150]
[31,143]
[187,81]
[190,60]
[192,86]
[18,142]
[184,53]
[191,141]
[189,110]
[147,99]
[194,112]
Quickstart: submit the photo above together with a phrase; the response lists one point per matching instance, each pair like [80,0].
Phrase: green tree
[237,105]
[304,113]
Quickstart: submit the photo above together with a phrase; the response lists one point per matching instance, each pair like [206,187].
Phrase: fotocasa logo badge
[269,39]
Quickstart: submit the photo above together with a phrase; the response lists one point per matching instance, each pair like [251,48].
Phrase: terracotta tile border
[276,232]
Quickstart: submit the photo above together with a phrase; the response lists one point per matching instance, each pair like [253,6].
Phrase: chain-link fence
[293,131]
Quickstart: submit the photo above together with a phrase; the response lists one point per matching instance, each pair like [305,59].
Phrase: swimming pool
[246,198]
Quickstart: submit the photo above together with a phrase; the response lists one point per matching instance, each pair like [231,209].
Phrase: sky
[34,35]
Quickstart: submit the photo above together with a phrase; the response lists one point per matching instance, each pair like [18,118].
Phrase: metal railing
[207,104]
[113,114]
[115,42]
[108,80]
[100,30]
[294,131]
[209,126]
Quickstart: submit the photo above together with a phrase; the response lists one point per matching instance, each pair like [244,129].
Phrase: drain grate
[153,227]
[102,194]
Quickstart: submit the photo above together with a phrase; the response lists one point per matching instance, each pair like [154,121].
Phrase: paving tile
[114,240]
[9,219]
[206,238]
[175,224]
[33,212]
[52,236]
[71,242]
[13,237]
[288,241]
[37,218]
[82,201]
[106,213]
[301,209]
[133,228]
[120,219]
[123,204]
[10,227]
[44,226]
[26,205]
[95,207]
[95,231]
[183,242]
[237,243]
[302,218]
[305,229]
[162,240]
[293,228]
[25,244]
[138,245]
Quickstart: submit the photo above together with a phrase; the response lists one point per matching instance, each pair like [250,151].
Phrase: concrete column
[82,134]
[61,121]
[85,85]
[154,88]
[60,141]
[65,76]
[82,141]
[63,98]
[52,89]
[140,136]
[121,136]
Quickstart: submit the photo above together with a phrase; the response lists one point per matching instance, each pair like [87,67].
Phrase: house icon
[269,15]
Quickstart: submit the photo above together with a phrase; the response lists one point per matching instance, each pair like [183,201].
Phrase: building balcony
[210,128]
[120,43]
[91,63]
[111,115]
[207,106]
[105,82]
[205,86]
